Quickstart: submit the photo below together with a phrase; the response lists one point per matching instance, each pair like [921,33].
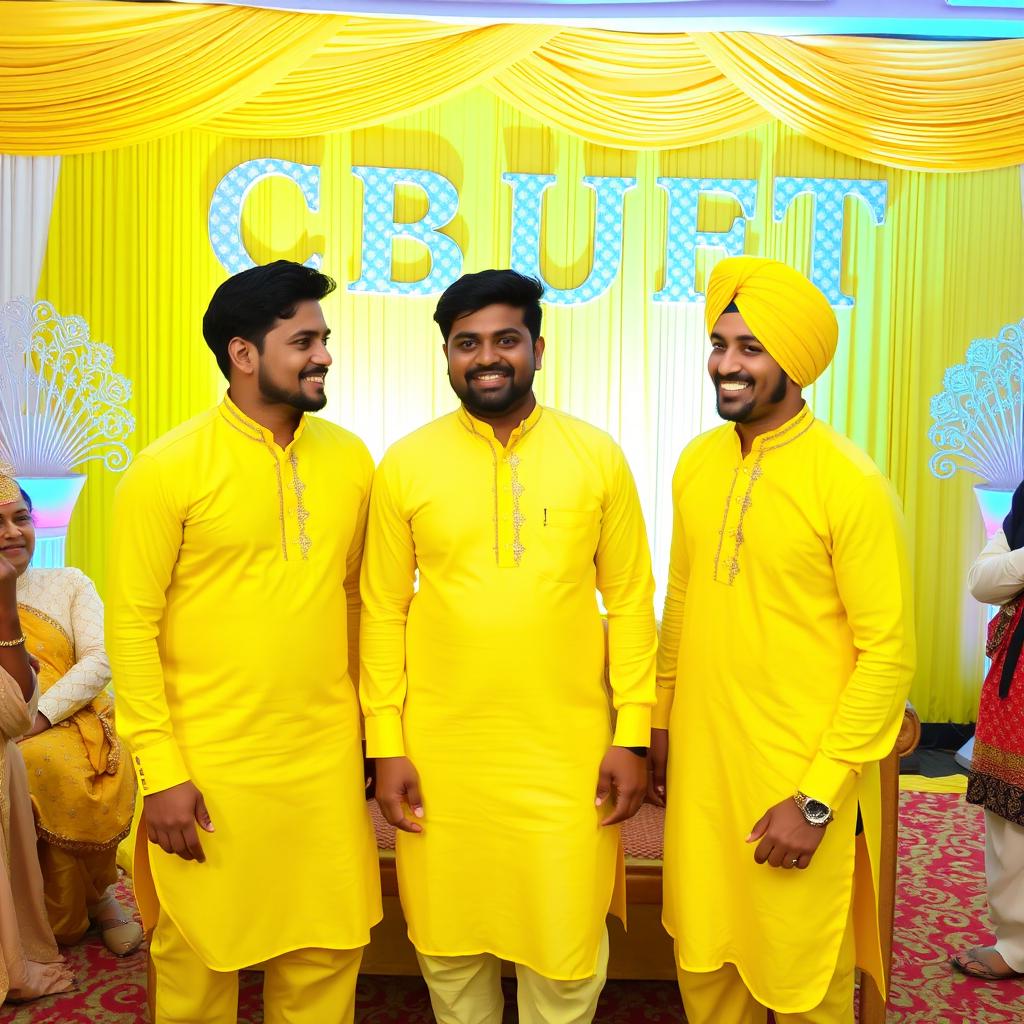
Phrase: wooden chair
[647,951]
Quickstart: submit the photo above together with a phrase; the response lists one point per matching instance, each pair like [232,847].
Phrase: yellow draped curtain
[77,77]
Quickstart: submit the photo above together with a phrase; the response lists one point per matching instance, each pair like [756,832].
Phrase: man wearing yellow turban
[786,654]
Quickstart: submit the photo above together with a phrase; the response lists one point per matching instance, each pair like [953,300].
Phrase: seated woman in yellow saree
[82,790]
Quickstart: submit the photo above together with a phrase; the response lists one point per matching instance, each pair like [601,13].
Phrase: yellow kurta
[489,675]
[233,597]
[788,639]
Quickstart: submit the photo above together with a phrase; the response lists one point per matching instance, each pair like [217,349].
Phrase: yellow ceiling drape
[363,76]
[916,104]
[629,91]
[84,76]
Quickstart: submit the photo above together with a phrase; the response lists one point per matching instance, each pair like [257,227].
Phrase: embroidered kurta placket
[749,470]
[290,488]
[508,488]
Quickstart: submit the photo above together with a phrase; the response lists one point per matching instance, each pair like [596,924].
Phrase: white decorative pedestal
[995,506]
[53,501]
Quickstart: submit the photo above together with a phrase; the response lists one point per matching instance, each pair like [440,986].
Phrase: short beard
[743,414]
[279,396]
[486,405]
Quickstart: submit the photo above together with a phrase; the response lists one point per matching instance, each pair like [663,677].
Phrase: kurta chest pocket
[566,543]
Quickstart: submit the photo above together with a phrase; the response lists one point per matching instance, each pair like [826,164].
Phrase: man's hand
[625,774]
[786,839]
[41,724]
[170,818]
[657,767]
[398,782]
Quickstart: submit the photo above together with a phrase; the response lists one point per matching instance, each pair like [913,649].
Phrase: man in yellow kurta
[787,645]
[483,683]
[232,622]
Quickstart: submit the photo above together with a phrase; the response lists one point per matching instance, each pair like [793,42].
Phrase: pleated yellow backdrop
[129,251]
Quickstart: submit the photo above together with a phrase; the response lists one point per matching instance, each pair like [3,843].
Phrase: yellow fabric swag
[77,77]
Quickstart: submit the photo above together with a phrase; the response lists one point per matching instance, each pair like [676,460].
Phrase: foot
[122,935]
[984,962]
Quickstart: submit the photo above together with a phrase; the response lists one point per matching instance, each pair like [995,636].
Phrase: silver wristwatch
[814,811]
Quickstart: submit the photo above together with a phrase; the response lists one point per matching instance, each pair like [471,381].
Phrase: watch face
[815,810]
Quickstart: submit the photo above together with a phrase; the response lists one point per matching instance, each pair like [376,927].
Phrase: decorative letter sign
[527,203]
[380,229]
[827,240]
[682,239]
[225,223]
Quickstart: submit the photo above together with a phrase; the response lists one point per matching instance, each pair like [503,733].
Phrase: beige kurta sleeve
[146,532]
[997,575]
[869,559]
[672,616]
[627,586]
[90,674]
[388,578]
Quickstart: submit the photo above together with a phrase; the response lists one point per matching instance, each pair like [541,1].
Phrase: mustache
[737,378]
[313,373]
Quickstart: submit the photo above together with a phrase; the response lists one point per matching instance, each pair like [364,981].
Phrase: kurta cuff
[826,780]
[384,736]
[633,726]
[51,709]
[159,767]
[663,709]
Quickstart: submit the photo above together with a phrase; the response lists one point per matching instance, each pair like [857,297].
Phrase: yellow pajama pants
[305,986]
[720,997]
[467,990]
[74,882]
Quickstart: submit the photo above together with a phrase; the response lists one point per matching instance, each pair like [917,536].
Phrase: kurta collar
[253,430]
[485,430]
[789,431]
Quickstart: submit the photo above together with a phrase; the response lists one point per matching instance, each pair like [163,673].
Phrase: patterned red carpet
[940,908]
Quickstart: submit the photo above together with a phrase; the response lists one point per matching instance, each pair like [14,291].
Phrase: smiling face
[750,386]
[292,366]
[492,360]
[17,534]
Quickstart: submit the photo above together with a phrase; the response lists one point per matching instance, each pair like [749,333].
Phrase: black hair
[250,303]
[26,498]
[473,292]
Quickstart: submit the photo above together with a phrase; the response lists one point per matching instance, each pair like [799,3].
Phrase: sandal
[975,963]
[121,935]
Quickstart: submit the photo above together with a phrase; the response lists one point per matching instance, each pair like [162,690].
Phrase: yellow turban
[783,310]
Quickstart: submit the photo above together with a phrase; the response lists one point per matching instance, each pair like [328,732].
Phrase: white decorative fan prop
[62,405]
